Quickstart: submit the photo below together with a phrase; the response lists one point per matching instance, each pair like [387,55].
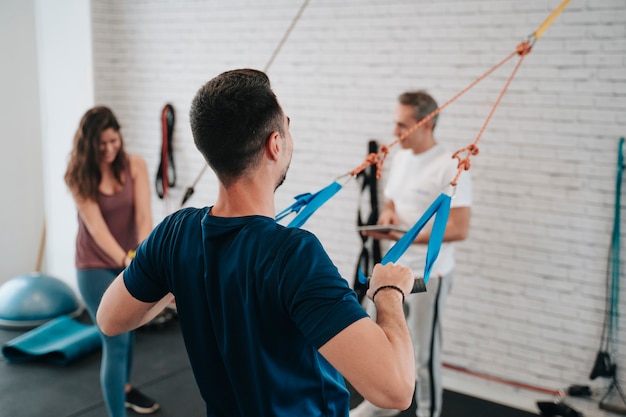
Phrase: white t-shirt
[414,182]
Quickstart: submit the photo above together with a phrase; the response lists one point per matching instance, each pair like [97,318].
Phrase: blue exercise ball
[29,300]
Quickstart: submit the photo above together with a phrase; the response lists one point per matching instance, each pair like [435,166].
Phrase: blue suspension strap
[440,208]
[308,203]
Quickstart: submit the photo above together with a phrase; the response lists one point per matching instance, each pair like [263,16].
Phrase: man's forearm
[390,318]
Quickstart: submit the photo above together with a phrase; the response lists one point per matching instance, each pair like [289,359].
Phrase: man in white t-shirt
[420,171]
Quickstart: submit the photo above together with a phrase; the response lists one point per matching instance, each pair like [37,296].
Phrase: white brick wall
[528,299]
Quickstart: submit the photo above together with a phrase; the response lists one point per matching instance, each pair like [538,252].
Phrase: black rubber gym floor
[161,370]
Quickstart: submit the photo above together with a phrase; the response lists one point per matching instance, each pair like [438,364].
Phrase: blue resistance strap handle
[440,208]
[308,203]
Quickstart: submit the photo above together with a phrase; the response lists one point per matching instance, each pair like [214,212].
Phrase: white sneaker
[367,409]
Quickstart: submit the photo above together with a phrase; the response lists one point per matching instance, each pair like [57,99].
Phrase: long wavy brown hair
[83,174]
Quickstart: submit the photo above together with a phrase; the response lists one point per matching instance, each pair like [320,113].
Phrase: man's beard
[282,178]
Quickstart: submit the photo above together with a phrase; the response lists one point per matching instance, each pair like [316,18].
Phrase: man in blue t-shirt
[270,326]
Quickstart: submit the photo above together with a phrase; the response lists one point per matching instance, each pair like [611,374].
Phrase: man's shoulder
[188,212]
[292,241]
[294,236]
[185,217]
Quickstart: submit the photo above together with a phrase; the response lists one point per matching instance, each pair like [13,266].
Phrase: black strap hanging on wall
[166,174]
[370,252]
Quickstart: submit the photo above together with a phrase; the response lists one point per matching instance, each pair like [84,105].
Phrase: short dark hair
[232,116]
[423,104]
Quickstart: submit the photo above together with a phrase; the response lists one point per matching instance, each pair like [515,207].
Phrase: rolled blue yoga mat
[61,341]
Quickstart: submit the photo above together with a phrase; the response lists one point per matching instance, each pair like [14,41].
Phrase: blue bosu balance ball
[29,300]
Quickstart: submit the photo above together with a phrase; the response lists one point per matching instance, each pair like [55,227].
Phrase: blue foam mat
[61,341]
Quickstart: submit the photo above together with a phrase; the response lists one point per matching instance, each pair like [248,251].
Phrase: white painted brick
[615,5]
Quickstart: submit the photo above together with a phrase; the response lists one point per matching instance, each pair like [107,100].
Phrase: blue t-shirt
[255,301]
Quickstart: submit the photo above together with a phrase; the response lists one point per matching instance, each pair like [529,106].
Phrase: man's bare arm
[120,312]
[377,357]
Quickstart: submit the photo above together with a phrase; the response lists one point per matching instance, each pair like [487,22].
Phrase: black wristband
[384,287]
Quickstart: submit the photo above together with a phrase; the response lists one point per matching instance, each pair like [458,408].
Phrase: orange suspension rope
[378,158]
[522,50]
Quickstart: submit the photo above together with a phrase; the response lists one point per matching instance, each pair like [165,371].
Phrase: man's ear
[429,125]
[273,146]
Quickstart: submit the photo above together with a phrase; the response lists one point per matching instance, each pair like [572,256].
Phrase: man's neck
[424,146]
[244,198]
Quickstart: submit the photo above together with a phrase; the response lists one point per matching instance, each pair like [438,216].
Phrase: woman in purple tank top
[112,195]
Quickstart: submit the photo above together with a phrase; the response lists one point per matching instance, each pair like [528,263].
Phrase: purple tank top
[118,211]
